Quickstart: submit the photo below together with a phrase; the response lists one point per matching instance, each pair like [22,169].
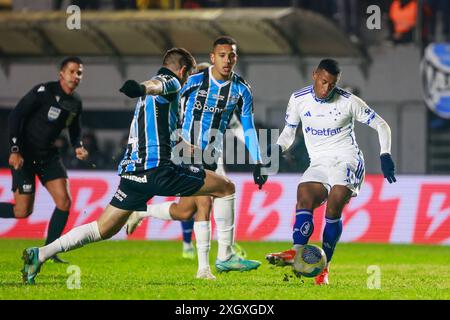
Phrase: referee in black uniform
[34,125]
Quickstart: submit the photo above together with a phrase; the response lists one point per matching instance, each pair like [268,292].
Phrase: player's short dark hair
[67,60]
[180,57]
[329,65]
[224,40]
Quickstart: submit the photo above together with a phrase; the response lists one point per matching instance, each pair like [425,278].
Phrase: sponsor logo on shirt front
[198,106]
[327,132]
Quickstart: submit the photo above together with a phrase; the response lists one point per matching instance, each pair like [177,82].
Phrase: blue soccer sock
[303,226]
[331,235]
[187,226]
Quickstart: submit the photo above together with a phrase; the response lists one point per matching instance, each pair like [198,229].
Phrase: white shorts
[337,170]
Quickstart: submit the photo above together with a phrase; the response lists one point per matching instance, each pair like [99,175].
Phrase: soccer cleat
[134,221]
[189,253]
[57,259]
[322,278]
[205,273]
[283,258]
[236,263]
[239,251]
[31,265]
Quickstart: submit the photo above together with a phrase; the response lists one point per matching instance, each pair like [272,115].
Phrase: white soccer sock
[73,239]
[160,211]
[202,231]
[187,245]
[224,217]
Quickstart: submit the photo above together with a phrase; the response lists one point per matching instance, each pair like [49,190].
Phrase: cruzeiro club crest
[435,69]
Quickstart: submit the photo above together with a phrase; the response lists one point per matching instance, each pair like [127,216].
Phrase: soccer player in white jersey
[336,171]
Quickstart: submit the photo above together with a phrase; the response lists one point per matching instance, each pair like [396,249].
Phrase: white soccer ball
[309,261]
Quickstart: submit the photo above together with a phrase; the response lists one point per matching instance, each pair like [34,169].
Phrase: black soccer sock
[6,210]
[57,224]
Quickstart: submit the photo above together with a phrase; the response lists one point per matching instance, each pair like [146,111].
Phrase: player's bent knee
[64,204]
[230,188]
[22,213]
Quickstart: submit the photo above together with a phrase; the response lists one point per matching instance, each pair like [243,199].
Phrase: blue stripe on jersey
[342,92]
[211,103]
[358,169]
[372,116]
[152,140]
[291,125]
[302,91]
[251,139]
[302,94]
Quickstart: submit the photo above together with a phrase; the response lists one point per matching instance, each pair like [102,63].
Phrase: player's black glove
[259,178]
[133,89]
[212,166]
[388,167]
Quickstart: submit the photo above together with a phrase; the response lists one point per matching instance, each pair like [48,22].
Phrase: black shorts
[24,179]
[135,190]
[203,165]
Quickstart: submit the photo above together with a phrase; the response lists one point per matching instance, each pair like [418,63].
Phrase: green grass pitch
[156,270]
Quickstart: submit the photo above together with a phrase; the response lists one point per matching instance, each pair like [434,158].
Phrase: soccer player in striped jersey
[336,171]
[234,126]
[211,97]
[146,169]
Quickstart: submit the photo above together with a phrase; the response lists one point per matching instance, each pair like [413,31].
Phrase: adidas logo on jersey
[323,132]
[307,114]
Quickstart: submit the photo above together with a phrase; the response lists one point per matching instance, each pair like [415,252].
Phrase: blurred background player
[146,169]
[210,98]
[34,125]
[336,171]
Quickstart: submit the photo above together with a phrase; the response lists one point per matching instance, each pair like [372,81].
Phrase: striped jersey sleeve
[170,84]
[248,123]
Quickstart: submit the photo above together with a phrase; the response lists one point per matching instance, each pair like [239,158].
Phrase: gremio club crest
[435,69]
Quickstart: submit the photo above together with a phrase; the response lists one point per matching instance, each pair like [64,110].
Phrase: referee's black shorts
[135,190]
[49,169]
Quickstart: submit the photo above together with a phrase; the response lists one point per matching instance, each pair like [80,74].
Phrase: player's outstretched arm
[134,89]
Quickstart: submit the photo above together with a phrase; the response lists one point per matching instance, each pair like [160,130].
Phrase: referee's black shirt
[39,118]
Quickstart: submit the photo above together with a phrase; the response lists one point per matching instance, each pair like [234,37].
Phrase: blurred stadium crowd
[347,14]
[350,16]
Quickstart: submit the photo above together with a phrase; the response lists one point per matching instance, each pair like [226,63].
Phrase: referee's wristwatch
[15,149]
